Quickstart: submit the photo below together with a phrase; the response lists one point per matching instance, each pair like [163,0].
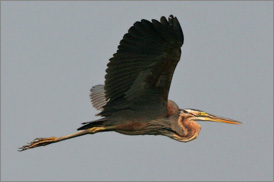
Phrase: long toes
[38,142]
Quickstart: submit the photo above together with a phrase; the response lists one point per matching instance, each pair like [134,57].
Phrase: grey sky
[54,52]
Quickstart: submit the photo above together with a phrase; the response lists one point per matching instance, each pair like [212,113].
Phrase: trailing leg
[38,142]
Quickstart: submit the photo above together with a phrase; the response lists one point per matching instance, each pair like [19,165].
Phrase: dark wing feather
[139,75]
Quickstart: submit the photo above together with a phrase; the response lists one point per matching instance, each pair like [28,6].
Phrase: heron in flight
[134,99]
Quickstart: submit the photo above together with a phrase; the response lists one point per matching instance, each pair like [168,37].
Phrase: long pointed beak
[217,119]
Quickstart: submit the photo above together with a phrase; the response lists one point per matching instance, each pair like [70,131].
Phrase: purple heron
[134,99]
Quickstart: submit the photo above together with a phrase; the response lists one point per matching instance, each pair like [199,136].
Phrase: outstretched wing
[97,97]
[139,74]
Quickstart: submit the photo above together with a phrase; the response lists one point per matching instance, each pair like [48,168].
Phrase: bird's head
[187,129]
[197,115]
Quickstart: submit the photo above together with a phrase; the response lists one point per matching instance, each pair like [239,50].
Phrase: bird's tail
[91,124]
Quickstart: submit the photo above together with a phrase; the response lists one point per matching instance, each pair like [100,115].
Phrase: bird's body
[134,99]
[143,126]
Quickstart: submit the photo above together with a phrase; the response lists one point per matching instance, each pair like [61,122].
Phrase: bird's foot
[38,142]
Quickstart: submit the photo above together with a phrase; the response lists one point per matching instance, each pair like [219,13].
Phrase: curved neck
[190,129]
